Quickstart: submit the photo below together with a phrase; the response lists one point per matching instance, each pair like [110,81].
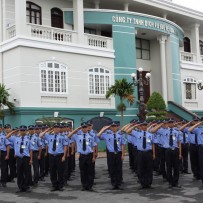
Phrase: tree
[124,90]
[4,101]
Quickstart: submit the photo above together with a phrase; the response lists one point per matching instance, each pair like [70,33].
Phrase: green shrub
[156,102]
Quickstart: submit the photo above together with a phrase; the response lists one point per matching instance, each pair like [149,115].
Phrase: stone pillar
[126,6]
[78,19]
[162,42]
[195,41]
[20,17]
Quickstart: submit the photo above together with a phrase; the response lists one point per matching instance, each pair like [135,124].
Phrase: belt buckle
[115,152]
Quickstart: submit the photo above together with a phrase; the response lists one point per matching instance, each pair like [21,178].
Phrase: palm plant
[4,101]
[124,90]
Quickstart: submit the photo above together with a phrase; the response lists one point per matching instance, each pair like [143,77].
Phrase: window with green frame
[142,49]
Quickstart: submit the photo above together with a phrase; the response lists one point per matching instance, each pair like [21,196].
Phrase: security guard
[86,148]
[36,147]
[12,159]
[23,152]
[57,148]
[193,149]
[171,142]
[197,129]
[115,143]
[5,151]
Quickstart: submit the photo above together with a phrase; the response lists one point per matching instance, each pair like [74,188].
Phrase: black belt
[115,152]
[57,154]
[86,154]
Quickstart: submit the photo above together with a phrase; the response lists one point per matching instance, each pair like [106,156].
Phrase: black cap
[23,127]
[45,126]
[144,123]
[89,122]
[61,125]
[38,127]
[0,125]
[171,120]
[31,127]
[118,123]
[84,124]
[56,125]
[15,128]
[7,126]
[113,123]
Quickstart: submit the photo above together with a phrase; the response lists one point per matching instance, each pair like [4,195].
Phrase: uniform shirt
[190,135]
[78,139]
[3,142]
[26,146]
[35,142]
[129,138]
[165,136]
[94,133]
[139,140]
[199,132]
[61,142]
[108,137]
[12,140]
[156,138]
[133,135]
[181,136]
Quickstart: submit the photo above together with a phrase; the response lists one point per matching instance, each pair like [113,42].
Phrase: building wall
[22,75]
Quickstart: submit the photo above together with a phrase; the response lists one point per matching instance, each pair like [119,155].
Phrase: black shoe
[165,180]
[115,187]
[83,189]
[12,181]
[28,190]
[61,189]
[41,179]
[20,190]
[54,189]
[141,187]
[177,186]
[186,172]
[34,184]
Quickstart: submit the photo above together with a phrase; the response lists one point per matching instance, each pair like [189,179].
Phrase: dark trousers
[42,164]
[23,172]
[145,167]
[134,150]
[163,162]
[194,160]
[56,170]
[69,166]
[86,170]
[130,153]
[107,159]
[201,161]
[115,168]
[35,166]
[172,165]
[66,170]
[47,164]
[184,160]
[4,167]
[12,164]
[157,161]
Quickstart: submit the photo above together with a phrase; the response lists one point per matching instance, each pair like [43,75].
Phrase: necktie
[115,144]
[54,144]
[21,145]
[144,141]
[171,138]
[84,143]
[196,141]
[184,138]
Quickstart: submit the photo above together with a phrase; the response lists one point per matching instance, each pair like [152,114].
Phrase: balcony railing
[186,56]
[61,35]
[11,32]
[98,41]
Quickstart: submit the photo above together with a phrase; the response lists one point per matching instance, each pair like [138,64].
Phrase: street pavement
[191,191]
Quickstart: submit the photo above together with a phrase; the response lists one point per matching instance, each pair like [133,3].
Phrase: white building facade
[63,55]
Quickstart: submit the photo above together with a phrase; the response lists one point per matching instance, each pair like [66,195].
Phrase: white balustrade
[186,56]
[98,41]
[11,32]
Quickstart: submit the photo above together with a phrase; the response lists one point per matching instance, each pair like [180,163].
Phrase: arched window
[56,18]
[190,85]
[99,80]
[53,77]
[187,47]
[33,13]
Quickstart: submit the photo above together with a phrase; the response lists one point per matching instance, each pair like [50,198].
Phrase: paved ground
[191,191]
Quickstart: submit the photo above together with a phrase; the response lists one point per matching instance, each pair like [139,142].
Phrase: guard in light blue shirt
[23,152]
[115,142]
[5,149]
[86,148]
[36,147]
[57,148]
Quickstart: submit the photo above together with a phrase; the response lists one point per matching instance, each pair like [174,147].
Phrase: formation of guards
[30,153]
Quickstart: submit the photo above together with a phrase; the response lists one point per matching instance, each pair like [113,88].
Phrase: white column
[162,42]
[126,6]
[97,2]
[20,17]
[195,41]
[3,20]
[78,18]
[1,39]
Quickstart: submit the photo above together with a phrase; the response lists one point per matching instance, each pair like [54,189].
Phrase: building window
[53,77]
[90,31]
[190,85]
[99,81]
[187,47]
[142,49]
[33,13]
[56,18]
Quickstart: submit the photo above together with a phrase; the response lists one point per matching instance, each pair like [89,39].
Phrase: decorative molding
[99,101]
[51,100]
